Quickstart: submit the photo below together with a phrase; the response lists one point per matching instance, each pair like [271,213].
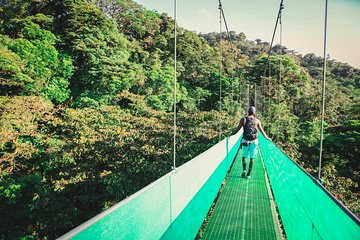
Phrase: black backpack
[250,130]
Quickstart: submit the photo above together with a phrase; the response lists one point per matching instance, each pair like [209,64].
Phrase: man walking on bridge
[249,142]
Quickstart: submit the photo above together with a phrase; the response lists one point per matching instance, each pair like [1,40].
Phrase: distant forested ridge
[86,94]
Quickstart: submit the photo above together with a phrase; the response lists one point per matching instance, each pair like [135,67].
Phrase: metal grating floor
[243,209]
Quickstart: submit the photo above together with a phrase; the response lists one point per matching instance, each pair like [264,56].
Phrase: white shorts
[251,148]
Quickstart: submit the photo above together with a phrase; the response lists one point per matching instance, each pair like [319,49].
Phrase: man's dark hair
[252,110]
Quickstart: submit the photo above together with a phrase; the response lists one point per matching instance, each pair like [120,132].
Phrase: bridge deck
[244,209]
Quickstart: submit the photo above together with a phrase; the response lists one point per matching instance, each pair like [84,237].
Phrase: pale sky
[303,22]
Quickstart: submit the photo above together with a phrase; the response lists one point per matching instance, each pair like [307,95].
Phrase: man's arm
[262,130]
[241,123]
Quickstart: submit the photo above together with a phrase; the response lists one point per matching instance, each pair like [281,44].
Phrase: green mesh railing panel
[172,207]
[188,223]
[131,220]
[307,210]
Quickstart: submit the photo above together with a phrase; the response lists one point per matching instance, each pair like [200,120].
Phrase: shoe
[243,174]
[248,176]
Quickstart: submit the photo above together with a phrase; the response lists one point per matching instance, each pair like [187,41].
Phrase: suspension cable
[231,43]
[220,69]
[267,96]
[248,95]
[323,95]
[255,102]
[175,59]
[280,76]
[268,60]
[232,47]
[269,93]
[274,32]
[262,91]
[277,21]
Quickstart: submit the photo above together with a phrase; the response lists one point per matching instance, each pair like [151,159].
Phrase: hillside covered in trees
[86,94]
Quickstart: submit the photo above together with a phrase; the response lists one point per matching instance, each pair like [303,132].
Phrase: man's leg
[250,166]
[253,153]
[245,154]
[244,163]
[244,167]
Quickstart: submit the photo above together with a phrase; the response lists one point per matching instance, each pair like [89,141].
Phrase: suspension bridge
[206,198]
[176,205]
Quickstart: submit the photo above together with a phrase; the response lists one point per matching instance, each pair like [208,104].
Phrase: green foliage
[341,186]
[19,122]
[342,143]
[160,87]
[98,49]
[105,153]
[40,68]
[12,78]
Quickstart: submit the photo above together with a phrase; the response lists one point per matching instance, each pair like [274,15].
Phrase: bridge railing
[307,209]
[173,207]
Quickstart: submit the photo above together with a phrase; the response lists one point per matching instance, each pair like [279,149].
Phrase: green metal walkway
[244,209]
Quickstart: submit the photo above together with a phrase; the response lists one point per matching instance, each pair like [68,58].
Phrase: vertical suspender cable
[263,87]
[248,96]
[280,76]
[262,96]
[266,87]
[270,49]
[241,90]
[281,49]
[232,93]
[263,84]
[269,92]
[277,20]
[255,102]
[220,70]
[174,146]
[233,49]
[323,94]
[175,59]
